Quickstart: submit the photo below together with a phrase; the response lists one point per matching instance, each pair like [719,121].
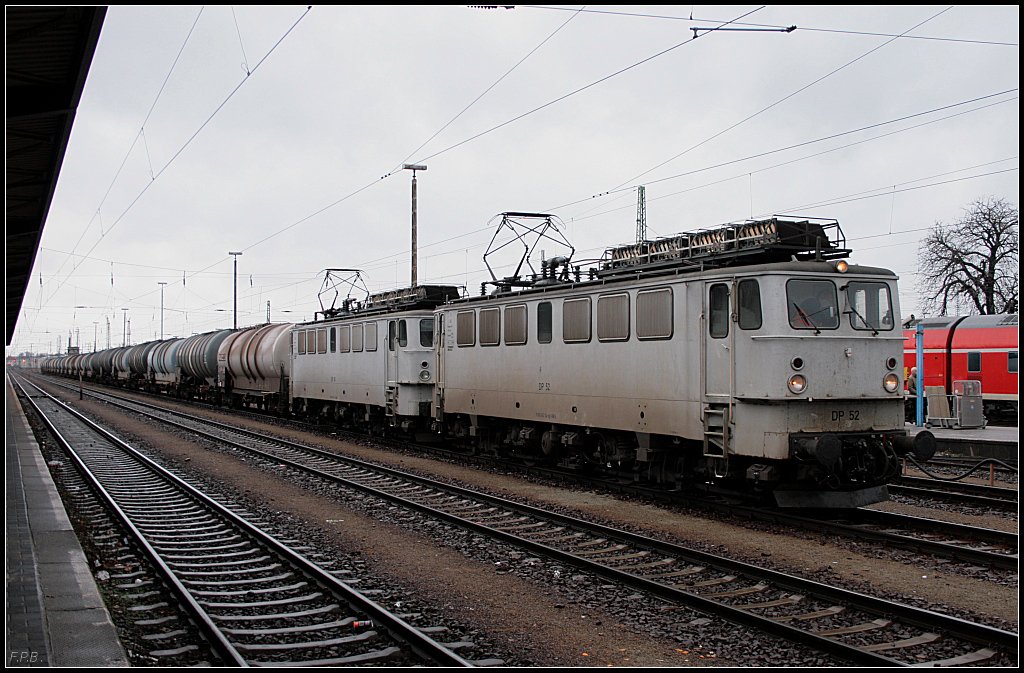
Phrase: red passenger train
[969,348]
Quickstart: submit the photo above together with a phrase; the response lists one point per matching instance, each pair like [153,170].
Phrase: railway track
[975,495]
[849,625]
[969,544]
[254,599]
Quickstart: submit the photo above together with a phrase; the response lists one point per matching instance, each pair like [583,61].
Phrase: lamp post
[161,284]
[414,168]
[236,254]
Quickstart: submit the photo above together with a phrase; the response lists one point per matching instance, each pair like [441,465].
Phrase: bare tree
[973,261]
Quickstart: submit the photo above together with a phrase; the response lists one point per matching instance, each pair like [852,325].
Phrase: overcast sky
[280,132]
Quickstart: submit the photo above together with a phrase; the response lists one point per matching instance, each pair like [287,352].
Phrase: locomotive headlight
[797,384]
[891,382]
[424,376]
[842,266]
[891,363]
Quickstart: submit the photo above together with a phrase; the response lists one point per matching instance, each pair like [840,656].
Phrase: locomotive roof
[795,268]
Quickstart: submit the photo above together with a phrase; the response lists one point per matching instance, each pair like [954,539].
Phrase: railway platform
[55,616]
[989,442]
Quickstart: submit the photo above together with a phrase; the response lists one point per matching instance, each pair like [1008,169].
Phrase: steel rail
[421,644]
[964,629]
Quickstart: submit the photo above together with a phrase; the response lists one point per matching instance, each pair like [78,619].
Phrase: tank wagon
[254,366]
[162,366]
[197,359]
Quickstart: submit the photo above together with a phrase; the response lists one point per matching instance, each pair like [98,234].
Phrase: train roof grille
[421,296]
[351,280]
[404,299]
[751,242]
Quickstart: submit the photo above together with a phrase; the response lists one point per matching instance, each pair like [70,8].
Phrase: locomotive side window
[1011,362]
[515,325]
[334,339]
[465,328]
[750,304]
[613,317]
[544,322]
[344,338]
[490,326]
[357,338]
[370,339]
[654,314]
[427,332]
[301,338]
[718,320]
[576,320]
[974,362]
[321,340]
[812,304]
[869,306]
[398,333]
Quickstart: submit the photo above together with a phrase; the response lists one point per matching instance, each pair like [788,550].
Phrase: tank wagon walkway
[55,616]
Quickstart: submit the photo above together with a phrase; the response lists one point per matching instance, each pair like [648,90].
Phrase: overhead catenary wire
[135,140]
[783,149]
[802,27]
[357,191]
[576,91]
[780,101]
[397,254]
[195,134]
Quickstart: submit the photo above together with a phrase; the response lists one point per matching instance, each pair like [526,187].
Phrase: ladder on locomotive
[391,403]
[716,418]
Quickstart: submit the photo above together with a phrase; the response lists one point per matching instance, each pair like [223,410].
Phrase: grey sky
[288,168]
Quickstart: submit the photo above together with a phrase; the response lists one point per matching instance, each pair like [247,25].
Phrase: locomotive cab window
[869,306]
[812,304]
[750,304]
[426,332]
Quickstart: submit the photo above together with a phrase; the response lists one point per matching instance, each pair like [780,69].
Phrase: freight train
[751,358]
[969,348]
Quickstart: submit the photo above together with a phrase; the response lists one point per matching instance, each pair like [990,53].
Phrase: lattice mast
[641,215]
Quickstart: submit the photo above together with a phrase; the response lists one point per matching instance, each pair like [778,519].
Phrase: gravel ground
[539,614]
